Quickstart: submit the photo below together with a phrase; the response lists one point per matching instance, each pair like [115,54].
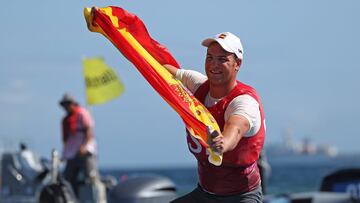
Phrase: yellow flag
[102,83]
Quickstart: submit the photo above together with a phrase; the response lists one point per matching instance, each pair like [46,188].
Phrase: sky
[301,56]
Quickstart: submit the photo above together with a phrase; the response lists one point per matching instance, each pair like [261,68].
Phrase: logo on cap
[222,36]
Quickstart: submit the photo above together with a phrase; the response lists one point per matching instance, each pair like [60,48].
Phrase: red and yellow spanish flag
[129,34]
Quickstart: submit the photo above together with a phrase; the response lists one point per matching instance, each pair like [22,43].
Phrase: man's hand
[220,144]
[83,150]
[216,141]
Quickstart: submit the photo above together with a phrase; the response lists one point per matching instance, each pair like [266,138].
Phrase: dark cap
[67,99]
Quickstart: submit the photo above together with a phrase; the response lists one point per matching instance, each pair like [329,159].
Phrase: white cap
[228,41]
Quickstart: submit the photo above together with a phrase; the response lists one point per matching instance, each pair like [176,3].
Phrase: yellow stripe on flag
[102,83]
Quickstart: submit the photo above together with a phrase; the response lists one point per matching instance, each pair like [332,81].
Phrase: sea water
[288,173]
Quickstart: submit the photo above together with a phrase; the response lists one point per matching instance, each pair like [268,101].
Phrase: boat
[340,186]
[26,178]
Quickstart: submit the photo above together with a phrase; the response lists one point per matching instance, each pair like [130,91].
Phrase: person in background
[79,145]
[30,165]
[239,113]
[265,171]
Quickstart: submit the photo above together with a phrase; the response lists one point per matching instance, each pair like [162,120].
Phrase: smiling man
[239,113]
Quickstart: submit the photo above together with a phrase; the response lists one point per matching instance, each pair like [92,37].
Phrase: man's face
[221,66]
[68,107]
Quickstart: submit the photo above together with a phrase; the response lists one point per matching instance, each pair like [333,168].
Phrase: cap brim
[63,103]
[66,102]
[207,42]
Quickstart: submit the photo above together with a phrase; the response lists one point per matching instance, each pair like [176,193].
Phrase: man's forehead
[215,48]
[218,54]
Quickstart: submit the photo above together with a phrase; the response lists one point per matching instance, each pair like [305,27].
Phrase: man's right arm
[63,132]
[189,78]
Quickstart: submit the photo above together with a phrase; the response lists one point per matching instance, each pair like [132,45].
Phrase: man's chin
[216,82]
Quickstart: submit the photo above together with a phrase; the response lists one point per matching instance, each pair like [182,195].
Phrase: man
[79,144]
[30,165]
[238,111]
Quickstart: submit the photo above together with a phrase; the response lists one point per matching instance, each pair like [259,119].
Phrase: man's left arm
[88,124]
[87,137]
[234,129]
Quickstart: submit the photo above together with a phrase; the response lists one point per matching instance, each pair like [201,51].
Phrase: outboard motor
[22,176]
[345,180]
[342,186]
[311,197]
[143,189]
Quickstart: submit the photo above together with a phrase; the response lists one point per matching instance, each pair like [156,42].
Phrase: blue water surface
[288,173]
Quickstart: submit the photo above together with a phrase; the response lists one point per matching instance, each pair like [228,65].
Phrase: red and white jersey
[239,172]
[243,105]
[73,126]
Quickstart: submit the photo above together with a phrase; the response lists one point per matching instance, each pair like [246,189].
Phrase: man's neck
[72,109]
[219,91]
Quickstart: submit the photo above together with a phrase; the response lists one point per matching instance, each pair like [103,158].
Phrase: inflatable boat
[27,179]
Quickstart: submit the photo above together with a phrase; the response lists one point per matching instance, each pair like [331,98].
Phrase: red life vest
[239,172]
[72,123]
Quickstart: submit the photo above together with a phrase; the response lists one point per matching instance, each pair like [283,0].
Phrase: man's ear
[238,63]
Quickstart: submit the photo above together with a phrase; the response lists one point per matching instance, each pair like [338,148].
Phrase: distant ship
[306,147]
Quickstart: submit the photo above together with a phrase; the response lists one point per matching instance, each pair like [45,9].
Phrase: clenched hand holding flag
[128,33]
